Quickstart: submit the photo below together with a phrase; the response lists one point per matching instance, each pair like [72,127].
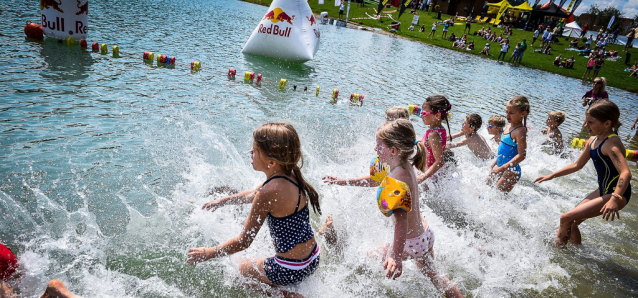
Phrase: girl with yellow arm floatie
[398,197]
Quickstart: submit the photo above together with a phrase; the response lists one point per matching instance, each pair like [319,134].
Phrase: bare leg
[255,270]
[587,209]
[507,181]
[56,289]
[427,266]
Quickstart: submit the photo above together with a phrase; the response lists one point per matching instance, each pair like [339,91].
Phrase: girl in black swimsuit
[607,152]
[282,200]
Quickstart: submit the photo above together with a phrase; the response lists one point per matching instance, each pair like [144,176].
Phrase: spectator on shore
[504,48]
[630,40]
[584,30]
[570,62]
[558,60]
[433,30]
[452,37]
[515,53]
[446,26]
[468,25]
[597,93]
[341,8]
[523,49]
[536,33]
[598,65]
[422,28]
[590,66]
[574,43]
[486,49]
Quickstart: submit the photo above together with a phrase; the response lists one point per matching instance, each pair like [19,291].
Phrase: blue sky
[628,7]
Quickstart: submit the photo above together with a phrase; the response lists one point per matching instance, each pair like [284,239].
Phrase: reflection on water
[106,161]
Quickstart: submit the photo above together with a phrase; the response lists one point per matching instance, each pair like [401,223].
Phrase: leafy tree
[593,13]
[605,15]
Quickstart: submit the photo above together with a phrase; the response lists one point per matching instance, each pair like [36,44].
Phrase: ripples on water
[106,161]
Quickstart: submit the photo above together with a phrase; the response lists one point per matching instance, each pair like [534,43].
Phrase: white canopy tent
[573,26]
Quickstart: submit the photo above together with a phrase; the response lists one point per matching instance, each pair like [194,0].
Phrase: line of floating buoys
[169,61]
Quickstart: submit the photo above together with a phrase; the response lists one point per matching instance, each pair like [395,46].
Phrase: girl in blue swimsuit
[513,146]
[282,201]
[607,152]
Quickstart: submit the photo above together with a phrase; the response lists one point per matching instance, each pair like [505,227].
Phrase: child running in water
[513,146]
[281,201]
[607,152]
[395,113]
[434,110]
[398,197]
[554,136]
[495,127]
[391,114]
[473,140]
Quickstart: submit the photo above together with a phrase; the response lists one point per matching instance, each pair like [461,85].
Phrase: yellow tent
[523,7]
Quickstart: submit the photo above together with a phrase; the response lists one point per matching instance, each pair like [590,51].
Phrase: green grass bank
[613,71]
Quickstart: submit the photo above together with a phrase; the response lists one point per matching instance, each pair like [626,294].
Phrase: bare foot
[56,289]
[328,231]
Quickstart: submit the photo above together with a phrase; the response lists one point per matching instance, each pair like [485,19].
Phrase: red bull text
[274,30]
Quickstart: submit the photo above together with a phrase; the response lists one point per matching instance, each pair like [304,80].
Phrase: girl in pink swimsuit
[435,109]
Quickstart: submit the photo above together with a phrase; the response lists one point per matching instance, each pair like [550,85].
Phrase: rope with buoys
[31,29]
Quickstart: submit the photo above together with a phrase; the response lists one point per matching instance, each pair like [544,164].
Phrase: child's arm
[520,137]
[252,226]
[574,167]
[393,263]
[615,149]
[454,136]
[634,125]
[464,142]
[243,197]
[435,142]
[363,181]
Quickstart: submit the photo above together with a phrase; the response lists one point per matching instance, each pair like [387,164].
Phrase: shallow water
[105,162]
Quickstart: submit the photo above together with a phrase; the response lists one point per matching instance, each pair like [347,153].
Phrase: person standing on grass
[536,33]
[522,51]
[630,40]
[341,8]
[504,48]
[433,30]
[446,26]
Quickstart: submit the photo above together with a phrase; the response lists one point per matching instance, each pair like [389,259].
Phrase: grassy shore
[612,70]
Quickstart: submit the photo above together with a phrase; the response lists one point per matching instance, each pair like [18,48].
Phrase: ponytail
[419,159]
[307,189]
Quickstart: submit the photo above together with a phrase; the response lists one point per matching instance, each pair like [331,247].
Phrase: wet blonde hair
[558,116]
[498,121]
[397,113]
[400,134]
[280,142]
[522,104]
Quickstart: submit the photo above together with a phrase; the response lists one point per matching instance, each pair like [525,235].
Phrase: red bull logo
[312,20]
[278,15]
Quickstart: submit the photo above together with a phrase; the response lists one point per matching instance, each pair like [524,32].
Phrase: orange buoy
[33,30]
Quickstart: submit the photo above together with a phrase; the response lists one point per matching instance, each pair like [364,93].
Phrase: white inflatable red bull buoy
[62,19]
[288,31]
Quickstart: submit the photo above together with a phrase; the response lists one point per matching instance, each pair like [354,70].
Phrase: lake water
[105,162]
